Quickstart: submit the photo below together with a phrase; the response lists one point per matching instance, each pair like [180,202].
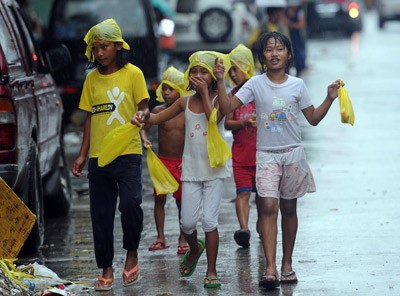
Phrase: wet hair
[277,36]
[120,60]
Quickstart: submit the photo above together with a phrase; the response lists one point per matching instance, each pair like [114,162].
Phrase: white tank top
[195,162]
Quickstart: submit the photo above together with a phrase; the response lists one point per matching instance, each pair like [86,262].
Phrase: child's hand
[147,143]
[251,121]
[199,85]
[78,165]
[219,69]
[138,118]
[333,89]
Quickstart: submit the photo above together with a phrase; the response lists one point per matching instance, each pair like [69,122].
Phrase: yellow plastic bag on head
[218,150]
[346,108]
[115,142]
[163,181]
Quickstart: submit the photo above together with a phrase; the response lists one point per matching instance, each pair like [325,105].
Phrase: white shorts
[196,195]
[283,174]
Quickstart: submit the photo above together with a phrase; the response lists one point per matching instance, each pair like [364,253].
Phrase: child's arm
[142,114]
[227,105]
[315,115]
[232,125]
[80,161]
[177,107]
[143,135]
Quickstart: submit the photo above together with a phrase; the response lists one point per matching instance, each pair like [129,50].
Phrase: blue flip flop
[184,265]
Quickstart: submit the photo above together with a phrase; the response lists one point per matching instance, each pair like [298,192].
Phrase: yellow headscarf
[107,30]
[206,59]
[243,58]
[174,78]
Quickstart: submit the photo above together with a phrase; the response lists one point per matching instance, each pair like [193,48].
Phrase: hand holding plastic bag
[218,150]
[163,181]
[346,108]
[115,142]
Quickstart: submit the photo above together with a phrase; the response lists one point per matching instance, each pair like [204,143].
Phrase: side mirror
[166,27]
[58,58]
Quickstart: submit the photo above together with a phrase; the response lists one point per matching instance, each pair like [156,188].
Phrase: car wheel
[35,203]
[58,189]
[215,25]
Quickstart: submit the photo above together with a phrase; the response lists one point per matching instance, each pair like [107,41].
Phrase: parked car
[71,19]
[388,10]
[32,159]
[211,25]
[333,16]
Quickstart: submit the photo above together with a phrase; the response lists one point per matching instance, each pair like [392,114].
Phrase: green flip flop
[212,283]
[192,265]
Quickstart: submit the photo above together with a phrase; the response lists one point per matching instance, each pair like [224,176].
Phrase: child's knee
[209,225]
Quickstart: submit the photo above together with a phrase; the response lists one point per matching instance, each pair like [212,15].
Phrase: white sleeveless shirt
[195,162]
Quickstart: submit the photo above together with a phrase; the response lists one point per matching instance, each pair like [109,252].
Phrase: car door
[48,104]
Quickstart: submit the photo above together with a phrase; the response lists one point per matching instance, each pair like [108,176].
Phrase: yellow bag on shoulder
[346,108]
[218,150]
[115,142]
[163,181]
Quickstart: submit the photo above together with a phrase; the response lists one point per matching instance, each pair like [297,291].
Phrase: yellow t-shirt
[112,100]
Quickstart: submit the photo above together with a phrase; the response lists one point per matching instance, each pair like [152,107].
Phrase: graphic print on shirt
[197,129]
[115,97]
[279,115]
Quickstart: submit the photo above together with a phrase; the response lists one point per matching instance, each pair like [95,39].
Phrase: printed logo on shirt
[101,108]
[116,97]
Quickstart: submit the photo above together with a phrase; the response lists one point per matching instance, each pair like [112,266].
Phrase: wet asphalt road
[348,238]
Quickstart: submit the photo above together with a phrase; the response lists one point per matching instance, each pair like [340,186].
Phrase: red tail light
[7,131]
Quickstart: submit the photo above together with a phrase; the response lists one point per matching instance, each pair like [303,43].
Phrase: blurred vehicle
[211,25]
[333,15]
[71,19]
[32,158]
[388,10]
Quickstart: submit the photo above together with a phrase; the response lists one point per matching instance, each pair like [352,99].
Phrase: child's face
[169,94]
[237,76]
[199,76]
[276,54]
[105,52]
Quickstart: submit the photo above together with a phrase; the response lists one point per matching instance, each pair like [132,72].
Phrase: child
[242,123]
[170,89]
[201,184]
[296,22]
[283,174]
[111,94]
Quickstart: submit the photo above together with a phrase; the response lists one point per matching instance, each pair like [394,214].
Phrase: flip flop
[212,283]
[184,265]
[269,282]
[106,284]
[288,277]
[242,237]
[127,275]
[158,246]
[183,249]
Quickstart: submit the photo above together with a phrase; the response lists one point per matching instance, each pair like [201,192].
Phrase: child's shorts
[174,165]
[283,174]
[245,178]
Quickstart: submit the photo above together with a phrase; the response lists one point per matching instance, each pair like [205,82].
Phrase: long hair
[277,36]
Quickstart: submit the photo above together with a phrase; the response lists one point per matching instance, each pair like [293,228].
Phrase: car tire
[215,25]
[57,188]
[35,202]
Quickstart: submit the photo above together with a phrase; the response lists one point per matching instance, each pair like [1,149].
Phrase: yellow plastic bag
[163,181]
[218,150]
[346,108]
[115,142]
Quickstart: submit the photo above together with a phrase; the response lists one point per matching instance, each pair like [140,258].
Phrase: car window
[7,44]
[75,17]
